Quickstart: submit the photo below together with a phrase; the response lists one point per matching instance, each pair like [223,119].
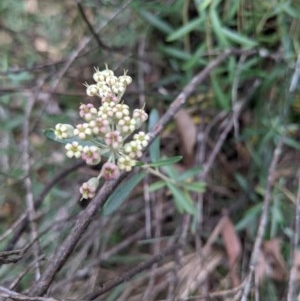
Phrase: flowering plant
[107,130]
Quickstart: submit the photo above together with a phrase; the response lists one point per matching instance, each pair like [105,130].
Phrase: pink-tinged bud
[91,155]
[113,139]
[83,131]
[89,188]
[88,111]
[110,171]
[140,117]
[110,98]
[99,126]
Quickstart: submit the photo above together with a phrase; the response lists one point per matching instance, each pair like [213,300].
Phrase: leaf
[196,187]
[156,22]
[187,132]
[49,133]
[249,219]
[185,29]
[182,199]
[12,123]
[222,98]
[277,267]
[217,28]
[165,162]
[170,171]
[176,53]
[238,38]
[190,173]
[154,148]
[233,247]
[157,185]
[118,197]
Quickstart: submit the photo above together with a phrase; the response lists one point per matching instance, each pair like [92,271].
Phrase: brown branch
[93,31]
[263,219]
[7,293]
[31,210]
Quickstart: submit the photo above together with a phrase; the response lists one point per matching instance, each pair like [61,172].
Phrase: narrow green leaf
[185,29]
[171,171]
[157,185]
[249,218]
[190,173]
[196,59]
[195,187]
[121,193]
[222,98]
[176,53]
[154,148]
[217,28]
[204,4]
[12,123]
[182,200]
[156,22]
[238,38]
[292,143]
[167,161]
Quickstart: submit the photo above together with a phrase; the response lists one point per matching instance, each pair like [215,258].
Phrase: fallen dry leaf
[270,263]
[233,247]
[272,251]
[187,132]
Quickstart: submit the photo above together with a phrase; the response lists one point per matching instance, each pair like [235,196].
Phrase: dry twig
[263,219]
[291,296]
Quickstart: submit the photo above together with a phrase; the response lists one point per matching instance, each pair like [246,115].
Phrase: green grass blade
[156,22]
[238,38]
[185,29]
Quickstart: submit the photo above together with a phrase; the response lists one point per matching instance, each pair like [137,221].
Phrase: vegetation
[211,211]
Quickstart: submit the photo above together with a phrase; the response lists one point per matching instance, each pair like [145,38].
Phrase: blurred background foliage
[48,51]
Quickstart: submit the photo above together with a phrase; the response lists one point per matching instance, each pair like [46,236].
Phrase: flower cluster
[107,130]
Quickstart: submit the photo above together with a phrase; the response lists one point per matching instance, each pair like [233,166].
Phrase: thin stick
[6,293]
[93,31]
[263,219]
[28,184]
[294,270]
